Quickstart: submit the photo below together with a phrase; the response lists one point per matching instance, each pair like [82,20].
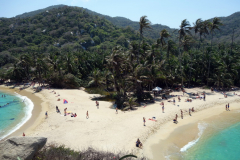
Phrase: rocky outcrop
[22,147]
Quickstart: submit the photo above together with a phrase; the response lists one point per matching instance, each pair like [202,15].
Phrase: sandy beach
[106,130]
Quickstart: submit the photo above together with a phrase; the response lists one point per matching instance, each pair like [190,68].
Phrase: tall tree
[184,30]
[144,23]
[163,35]
[197,29]
[213,26]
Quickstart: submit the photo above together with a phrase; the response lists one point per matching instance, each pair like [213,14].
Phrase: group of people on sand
[74,115]
[189,111]
[65,112]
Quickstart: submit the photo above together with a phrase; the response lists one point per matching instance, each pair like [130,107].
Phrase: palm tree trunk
[209,60]
[180,59]
[190,71]
[139,47]
[166,83]
[199,41]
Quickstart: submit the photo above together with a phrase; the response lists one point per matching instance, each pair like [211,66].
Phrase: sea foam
[28,114]
[201,127]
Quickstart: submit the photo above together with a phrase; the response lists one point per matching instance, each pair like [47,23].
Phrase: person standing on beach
[97,104]
[182,114]
[228,107]
[23,134]
[190,111]
[87,115]
[144,121]
[174,101]
[46,114]
[163,109]
[65,111]
[176,117]
[116,110]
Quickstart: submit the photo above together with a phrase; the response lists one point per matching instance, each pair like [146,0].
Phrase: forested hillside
[224,35]
[124,22]
[231,28]
[56,37]
[33,13]
[61,27]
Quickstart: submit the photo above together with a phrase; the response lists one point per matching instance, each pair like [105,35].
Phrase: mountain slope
[224,35]
[124,22]
[226,31]
[33,13]
[60,27]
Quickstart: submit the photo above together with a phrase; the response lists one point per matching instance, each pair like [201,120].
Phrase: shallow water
[15,110]
[218,138]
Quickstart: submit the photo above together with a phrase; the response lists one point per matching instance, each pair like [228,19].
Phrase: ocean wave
[201,127]
[28,114]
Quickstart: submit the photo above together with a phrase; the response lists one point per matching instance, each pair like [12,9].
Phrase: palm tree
[184,29]
[96,77]
[163,35]
[171,47]
[114,64]
[197,28]
[131,102]
[144,23]
[213,26]
[132,52]
[182,32]
[186,44]
[25,62]
[17,72]
[41,67]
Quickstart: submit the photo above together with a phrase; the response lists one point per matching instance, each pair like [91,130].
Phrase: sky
[165,12]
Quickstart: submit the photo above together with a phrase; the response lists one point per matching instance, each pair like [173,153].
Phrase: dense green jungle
[68,47]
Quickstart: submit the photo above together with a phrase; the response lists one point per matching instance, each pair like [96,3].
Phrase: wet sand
[170,138]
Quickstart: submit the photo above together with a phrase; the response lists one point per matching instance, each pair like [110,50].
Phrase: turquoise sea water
[15,110]
[219,140]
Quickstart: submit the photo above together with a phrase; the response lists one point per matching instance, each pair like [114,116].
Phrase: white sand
[106,130]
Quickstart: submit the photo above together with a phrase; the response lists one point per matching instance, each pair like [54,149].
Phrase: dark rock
[22,147]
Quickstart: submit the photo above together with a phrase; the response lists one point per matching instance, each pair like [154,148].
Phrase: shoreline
[106,130]
[36,112]
[181,135]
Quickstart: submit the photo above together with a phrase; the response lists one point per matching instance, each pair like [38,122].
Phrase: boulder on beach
[22,147]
